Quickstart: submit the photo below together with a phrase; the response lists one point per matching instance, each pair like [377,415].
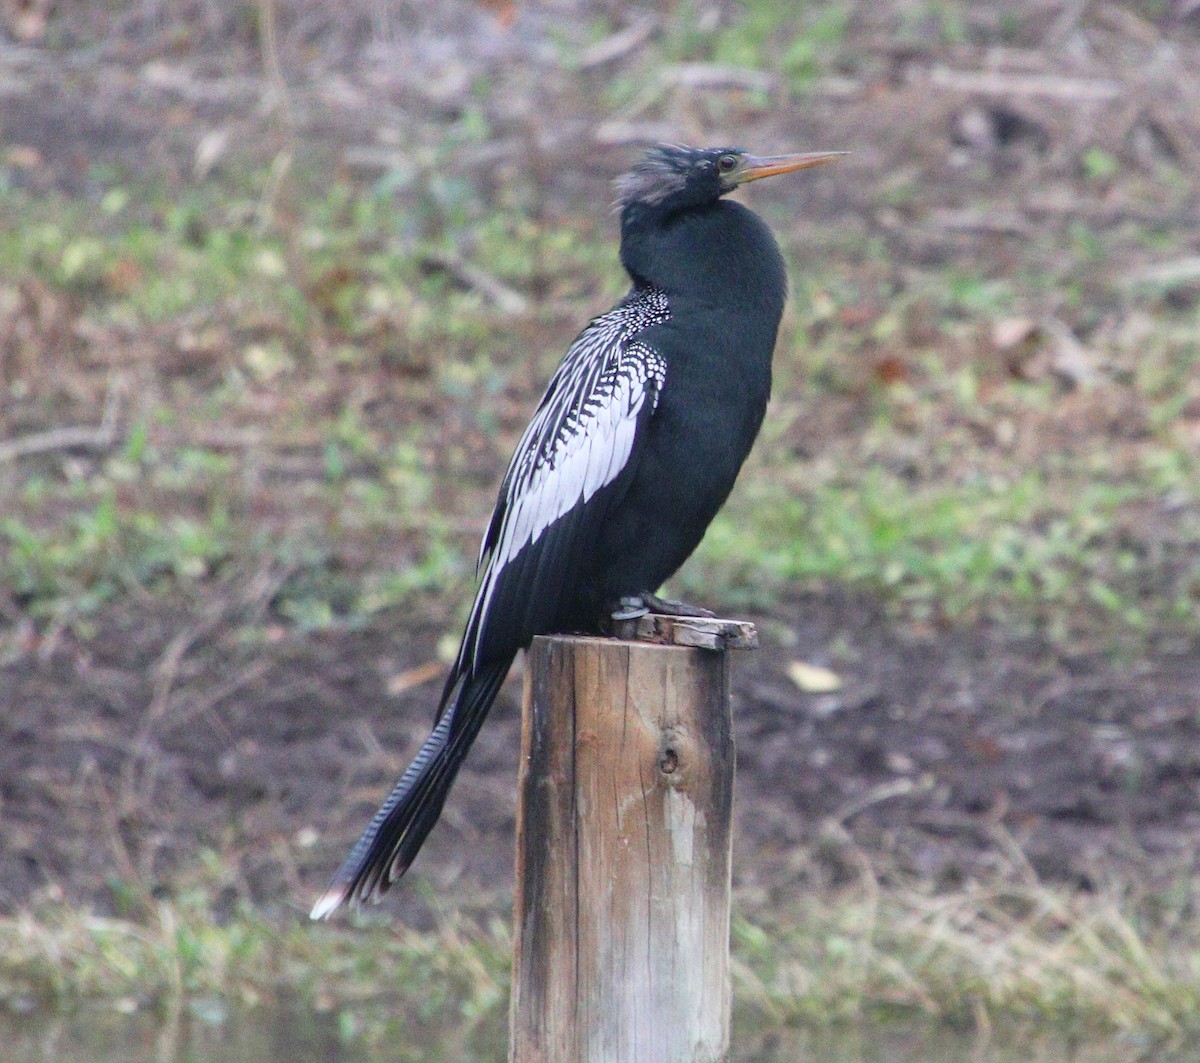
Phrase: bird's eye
[727,163]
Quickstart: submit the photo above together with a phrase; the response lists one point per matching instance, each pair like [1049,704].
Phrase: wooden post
[623,847]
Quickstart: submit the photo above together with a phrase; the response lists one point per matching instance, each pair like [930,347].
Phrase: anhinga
[633,449]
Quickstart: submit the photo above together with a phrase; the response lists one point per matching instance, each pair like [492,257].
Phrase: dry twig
[1168,274]
[507,300]
[620,44]
[76,437]
[711,76]
[994,83]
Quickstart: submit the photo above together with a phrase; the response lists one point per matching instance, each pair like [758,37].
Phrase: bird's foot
[629,608]
[670,607]
[634,606]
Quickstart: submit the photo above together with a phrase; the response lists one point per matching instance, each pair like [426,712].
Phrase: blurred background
[280,285]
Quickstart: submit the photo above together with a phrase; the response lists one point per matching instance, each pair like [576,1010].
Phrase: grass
[992,546]
[1021,952]
[912,500]
[446,987]
[971,958]
[946,496]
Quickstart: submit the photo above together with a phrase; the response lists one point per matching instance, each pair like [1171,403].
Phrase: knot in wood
[676,756]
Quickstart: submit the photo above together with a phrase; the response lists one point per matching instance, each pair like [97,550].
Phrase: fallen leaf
[1013,332]
[813,679]
[891,370]
[1072,362]
[414,677]
[210,150]
[24,157]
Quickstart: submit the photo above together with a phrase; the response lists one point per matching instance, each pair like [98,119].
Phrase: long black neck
[721,256]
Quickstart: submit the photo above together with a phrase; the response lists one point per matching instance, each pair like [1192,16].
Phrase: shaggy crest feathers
[661,172]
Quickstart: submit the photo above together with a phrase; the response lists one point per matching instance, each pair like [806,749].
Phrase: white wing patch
[591,447]
[579,440]
[588,453]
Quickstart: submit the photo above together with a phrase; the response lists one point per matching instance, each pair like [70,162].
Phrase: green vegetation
[776,36]
[446,987]
[919,503]
[966,958]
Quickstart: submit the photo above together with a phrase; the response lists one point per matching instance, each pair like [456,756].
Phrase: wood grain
[623,855]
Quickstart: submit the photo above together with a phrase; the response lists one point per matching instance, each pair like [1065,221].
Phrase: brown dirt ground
[209,723]
[946,754]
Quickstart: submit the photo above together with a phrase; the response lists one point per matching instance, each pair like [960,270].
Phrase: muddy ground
[947,754]
[207,723]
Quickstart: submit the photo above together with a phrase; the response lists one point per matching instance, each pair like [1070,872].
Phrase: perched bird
[632,450]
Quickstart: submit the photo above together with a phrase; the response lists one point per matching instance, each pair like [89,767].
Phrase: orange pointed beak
[757,166]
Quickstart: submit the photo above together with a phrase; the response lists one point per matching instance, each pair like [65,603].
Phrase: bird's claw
[634,606]
[630,608]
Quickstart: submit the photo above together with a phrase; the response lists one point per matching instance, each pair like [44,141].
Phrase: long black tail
[397,831]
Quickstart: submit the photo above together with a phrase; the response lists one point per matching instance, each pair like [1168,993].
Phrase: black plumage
[632,451]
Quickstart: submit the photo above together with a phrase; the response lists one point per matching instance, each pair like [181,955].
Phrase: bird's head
[673,177]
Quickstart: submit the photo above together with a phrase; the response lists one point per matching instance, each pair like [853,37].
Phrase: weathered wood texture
[623,849]
[708,633]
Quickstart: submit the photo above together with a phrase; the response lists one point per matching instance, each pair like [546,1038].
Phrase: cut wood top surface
[706,633]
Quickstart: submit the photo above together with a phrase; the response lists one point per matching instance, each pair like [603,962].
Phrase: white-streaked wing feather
[587,453]
[573,384]
[579,441]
